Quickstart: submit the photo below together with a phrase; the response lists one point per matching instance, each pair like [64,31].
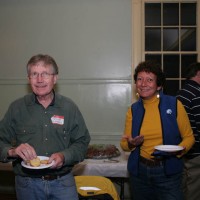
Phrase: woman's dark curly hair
[153,67]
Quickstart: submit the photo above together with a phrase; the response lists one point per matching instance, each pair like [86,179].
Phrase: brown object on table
[102,151]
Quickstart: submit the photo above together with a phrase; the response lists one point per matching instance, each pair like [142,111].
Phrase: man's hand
[58,159]
[24,151]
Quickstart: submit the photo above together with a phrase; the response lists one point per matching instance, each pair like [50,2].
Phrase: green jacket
[58,128]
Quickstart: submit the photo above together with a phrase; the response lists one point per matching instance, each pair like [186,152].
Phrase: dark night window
[171,39]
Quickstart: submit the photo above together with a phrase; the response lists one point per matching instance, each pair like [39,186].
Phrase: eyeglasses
[44,75]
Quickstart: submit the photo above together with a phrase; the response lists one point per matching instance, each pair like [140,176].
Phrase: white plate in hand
[42,166]
[169,148]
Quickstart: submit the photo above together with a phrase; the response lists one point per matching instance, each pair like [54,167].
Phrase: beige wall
[91,42]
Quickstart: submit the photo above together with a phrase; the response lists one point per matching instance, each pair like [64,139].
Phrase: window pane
[154,57]
[188,39]
[186,60]
[152,39]
[170,14]
[171,87]
[171,66]
[188,14]
[170,39]
[182,83]
[152,14]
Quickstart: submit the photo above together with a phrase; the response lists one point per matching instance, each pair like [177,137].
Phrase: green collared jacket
[58,128]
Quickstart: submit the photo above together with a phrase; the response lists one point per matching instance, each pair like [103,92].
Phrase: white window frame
[138,42]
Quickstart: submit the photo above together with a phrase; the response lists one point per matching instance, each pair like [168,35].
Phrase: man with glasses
[43,124]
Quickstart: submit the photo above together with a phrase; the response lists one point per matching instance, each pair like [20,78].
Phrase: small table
[115,169]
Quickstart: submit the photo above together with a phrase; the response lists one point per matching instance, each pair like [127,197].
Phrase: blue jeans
[152,184]
[63,188]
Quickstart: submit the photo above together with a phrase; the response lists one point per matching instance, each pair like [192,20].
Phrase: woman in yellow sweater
[155,119]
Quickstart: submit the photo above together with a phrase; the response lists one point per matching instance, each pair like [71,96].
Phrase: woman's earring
[158,95]
[137,95]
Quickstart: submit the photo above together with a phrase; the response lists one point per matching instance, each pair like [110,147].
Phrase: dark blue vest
[170,132]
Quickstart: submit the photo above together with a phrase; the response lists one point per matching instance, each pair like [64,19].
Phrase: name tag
[56,119]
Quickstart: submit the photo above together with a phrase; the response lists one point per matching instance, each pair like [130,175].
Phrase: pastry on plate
[35,162]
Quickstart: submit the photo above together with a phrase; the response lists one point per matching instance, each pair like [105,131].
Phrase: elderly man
[48,124]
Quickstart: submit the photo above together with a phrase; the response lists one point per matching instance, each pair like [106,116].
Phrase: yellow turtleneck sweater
[152,131]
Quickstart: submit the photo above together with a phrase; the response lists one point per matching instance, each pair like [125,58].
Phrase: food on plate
[41,162]
[44,162]
[102,151]
[35,162]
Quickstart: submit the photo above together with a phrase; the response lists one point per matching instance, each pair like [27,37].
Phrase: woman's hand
[134,142]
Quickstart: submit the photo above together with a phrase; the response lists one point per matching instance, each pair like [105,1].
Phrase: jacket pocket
[25,130]
[25,134]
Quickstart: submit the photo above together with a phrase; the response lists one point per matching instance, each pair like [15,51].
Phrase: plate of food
[41,162]
[102,151]
[169,148]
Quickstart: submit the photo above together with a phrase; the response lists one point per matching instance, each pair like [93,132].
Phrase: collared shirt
[52,102]
[58,128]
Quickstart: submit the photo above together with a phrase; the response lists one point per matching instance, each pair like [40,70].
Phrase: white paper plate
[42,166]
[169,148]
[90,188]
